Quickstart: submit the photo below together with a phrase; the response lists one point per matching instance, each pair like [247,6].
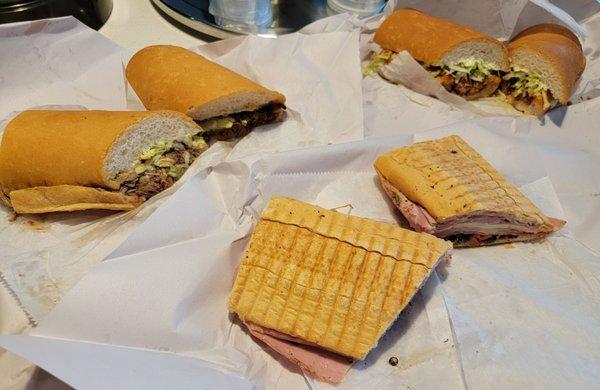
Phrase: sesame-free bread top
[437,41]
[173,78]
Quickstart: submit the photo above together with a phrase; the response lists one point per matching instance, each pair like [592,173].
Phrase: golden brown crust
[425,37]
[171,77]
[548,28]
[559,47]
[332,280]
[36,200]
[449,178]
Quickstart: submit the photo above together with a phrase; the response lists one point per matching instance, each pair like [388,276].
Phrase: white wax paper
[517,316]
[42,257]
[524,315]
[58,61]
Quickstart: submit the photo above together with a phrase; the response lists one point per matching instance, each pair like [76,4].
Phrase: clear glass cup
[361,8]
[244,12]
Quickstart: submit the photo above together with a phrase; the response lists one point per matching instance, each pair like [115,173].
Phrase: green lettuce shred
[377,61]
[476,70]
[525,83]
[152,159]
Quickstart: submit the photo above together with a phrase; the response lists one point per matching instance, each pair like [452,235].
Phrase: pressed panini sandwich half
[465,61]
[445,188]
[225,104]
[320,288]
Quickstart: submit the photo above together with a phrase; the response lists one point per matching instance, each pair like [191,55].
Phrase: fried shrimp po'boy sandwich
[224,103]
[77,160]
[320,288]
[466,62]
[546,62]
[445,188]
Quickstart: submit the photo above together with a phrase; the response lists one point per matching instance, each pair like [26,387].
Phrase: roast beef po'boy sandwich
[447,189]
[224,103]
[320,288]
[546,61]
[466,62]
[77,160]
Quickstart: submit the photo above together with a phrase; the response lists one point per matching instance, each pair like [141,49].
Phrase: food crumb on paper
[37,225]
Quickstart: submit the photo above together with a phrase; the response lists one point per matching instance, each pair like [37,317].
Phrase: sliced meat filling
[468,88]
[475,240]
[241,123]
[322,364]
[471,79]
[473,229]
[418,218]
[160,166]
[527,93]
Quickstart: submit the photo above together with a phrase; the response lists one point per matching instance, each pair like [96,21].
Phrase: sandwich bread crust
[173,78]
[38,200]
[331,280]
[437,41]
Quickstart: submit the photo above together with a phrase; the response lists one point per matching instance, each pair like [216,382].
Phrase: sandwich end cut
[445,188]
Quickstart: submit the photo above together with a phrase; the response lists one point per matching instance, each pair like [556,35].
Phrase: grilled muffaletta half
[465,61]
[226,104]
[320,288]
[77,160]
[445,188]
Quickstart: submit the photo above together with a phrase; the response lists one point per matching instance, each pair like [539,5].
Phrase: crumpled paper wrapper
[44,256]
[524,314]
[156,305]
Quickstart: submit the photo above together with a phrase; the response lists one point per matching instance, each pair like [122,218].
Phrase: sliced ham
[473,229]
[321,364]
[557,224]
[418,218]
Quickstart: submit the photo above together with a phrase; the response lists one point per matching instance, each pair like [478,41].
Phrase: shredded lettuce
[472,68]
[152,159]
[377,61]
[526,83]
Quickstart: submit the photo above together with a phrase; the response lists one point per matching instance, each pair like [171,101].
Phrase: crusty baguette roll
[37,200]
[438,41]
[70,160]
[173,78]
[552,53]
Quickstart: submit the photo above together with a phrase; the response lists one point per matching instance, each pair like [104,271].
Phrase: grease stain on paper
[34,278]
